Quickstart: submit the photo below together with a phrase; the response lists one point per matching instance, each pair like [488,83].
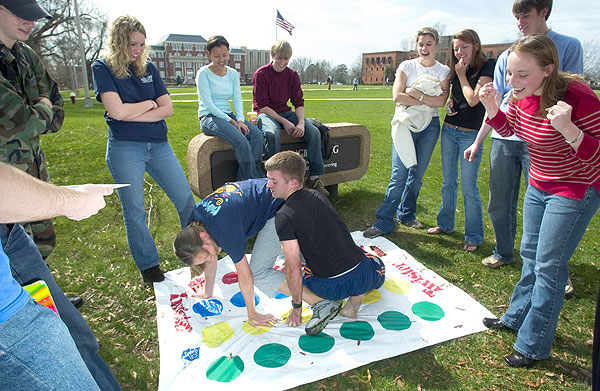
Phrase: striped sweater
[555,167]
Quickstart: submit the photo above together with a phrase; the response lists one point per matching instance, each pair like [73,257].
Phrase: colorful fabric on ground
[208,343]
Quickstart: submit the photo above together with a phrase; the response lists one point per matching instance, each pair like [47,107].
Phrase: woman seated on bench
[217,83]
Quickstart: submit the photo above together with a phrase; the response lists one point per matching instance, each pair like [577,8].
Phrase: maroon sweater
[274,89]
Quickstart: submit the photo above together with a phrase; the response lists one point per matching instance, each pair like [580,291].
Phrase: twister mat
[208,343]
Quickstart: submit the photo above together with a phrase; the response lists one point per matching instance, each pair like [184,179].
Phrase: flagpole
[275,24]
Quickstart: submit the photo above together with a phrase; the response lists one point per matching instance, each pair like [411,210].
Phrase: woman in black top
[469,70]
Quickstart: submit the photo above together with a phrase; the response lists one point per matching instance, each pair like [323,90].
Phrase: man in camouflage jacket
[25,91]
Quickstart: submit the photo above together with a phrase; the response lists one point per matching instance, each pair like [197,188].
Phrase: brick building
[180,55]
[374,64]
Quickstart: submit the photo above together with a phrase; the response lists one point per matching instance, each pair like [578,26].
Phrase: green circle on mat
[394,320]
[357,331]
[225,369]
[428,311]
[272,355]
[319,343]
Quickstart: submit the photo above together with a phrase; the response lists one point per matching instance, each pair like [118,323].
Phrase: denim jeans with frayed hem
[508,159]
[552,228]
[26,264]
[127,162]
[248,149]
[453,145]
[405,183]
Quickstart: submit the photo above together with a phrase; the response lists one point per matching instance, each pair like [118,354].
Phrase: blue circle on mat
[209,307]
[238,300]
[280,295]
[191,354]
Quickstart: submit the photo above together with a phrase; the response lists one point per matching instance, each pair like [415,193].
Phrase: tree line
[316,71]
[56,41]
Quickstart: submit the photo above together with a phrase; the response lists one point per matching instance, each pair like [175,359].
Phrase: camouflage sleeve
[17,116]
[48,88]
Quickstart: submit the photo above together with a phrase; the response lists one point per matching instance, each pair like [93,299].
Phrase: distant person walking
[355,84]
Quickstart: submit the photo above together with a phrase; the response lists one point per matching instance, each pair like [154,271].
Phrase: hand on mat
[258,320]
[295,318]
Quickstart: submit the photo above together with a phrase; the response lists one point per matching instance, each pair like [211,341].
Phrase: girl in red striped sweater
[559,118]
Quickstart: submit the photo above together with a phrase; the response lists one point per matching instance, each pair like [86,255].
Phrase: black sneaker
[154,274]
[76,301]
[323,312]
[372,232]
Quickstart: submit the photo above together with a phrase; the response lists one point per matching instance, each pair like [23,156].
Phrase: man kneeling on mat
[308,224]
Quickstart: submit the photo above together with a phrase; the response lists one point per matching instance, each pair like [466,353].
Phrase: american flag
[284,24]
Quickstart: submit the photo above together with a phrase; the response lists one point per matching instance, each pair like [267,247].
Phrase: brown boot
[317,185]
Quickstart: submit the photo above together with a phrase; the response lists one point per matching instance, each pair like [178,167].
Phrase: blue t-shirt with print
[132,89]
[12,296]
[235,212]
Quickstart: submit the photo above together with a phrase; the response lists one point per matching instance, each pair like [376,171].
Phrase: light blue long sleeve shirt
[215,91]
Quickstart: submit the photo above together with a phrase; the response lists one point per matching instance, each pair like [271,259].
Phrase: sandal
[470,247]
[435,231]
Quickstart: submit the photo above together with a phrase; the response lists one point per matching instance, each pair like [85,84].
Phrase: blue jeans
[37,353]
[405,184]
[27,264]
[312,139]
[552,228]
[454,142]
[127,162]
[507,160]
[248,149]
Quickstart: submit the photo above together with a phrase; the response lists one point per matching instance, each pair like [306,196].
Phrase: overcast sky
[339,31]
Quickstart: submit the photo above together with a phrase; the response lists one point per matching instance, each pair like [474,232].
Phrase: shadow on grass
[411,371]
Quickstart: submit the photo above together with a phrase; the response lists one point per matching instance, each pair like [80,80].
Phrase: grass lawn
[92,260]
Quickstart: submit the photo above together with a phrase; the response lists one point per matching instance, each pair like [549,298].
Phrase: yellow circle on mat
[306,314]
[248,328]
[397,286]
[215,335]
[372,297]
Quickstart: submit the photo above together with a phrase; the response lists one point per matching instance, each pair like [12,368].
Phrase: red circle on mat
[230,278]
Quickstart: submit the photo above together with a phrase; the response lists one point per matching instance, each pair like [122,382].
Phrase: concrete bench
[211,161]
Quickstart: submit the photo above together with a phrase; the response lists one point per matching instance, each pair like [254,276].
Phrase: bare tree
[407,44]
[440,27]
[356,68]
[300,64]
[591,60]
[340,74]
[55,40]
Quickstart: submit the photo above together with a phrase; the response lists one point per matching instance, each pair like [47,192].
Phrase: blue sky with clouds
[339,31]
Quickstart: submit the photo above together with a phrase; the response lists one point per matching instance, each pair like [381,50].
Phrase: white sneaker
[492,262]
[569,288]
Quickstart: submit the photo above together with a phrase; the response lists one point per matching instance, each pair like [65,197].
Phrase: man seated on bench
[308,224]
[274,85]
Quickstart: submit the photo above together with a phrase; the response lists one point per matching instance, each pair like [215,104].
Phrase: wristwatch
[294,305]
